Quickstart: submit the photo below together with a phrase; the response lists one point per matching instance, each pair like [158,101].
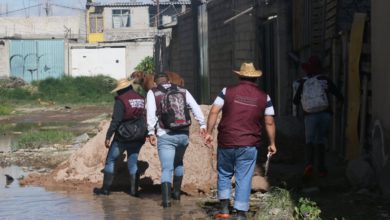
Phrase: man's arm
[196,110]
[117,117]
[151,117]
[271,131]
[211,121]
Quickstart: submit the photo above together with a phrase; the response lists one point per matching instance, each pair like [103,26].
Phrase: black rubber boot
[177,187]
[241,215]
[134,180]
[107,181]
[224,210]
[166,194]
[224,206]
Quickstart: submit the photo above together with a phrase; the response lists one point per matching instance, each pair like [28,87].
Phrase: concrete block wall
[221,38]
[182,52]
[41,27]
[229,44]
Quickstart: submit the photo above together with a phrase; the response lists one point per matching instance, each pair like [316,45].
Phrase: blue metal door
[37,59]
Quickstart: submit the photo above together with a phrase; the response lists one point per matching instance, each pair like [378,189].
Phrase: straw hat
[248,70]
[122,84]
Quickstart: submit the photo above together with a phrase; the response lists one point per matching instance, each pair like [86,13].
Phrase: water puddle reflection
[6,142]
[37,203]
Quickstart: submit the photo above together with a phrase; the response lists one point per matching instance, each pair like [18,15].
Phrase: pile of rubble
[12,82]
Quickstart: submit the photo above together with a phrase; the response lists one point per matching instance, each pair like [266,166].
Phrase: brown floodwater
[31,202]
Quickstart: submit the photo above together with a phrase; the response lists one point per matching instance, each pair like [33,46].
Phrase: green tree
[146,65]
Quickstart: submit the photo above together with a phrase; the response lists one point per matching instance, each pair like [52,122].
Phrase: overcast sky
[30,8]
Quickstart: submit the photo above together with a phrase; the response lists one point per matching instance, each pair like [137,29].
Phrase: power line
[21,9]
[68,7]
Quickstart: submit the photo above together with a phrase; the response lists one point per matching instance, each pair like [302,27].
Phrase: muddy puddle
[6,142]
[31,202]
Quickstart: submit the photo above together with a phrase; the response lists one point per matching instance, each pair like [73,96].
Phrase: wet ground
[332,194]
[31,202]
[38,203]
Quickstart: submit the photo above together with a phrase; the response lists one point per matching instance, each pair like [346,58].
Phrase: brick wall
[232,44]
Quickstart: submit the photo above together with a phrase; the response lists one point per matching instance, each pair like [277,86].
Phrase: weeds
[146,65]
[37,139]
[6,109]
[70,90]
[307,210]
[277,205]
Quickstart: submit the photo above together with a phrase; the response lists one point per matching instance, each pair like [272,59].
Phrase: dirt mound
[12,82]
[83,168]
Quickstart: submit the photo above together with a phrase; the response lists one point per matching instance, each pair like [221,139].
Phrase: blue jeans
[316,131]
[316,127]
[171,149]
[240,162]
[117,149]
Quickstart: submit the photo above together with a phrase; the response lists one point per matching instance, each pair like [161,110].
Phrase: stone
[81,139]
[360,174]
[260,184]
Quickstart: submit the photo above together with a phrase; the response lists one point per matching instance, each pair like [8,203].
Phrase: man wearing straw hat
[128,106]
[244,107]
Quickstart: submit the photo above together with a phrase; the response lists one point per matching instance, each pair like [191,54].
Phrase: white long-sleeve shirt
[151,112]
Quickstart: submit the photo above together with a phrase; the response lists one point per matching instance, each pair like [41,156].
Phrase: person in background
[313,94]
[244,108]
[128,105]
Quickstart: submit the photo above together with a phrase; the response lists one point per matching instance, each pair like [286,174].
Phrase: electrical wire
[21,9]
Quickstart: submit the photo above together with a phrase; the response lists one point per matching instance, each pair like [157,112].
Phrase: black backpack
[175,114]
[132,130]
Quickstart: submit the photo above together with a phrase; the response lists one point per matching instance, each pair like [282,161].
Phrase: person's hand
[203,132]
[208,140]
[107,143]
[152,139]
[272,149]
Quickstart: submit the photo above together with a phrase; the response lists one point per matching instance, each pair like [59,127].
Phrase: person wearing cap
[171,144]
[244,108]
[128,105]
[317,122]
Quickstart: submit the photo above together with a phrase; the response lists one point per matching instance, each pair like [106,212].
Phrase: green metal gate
[36,59]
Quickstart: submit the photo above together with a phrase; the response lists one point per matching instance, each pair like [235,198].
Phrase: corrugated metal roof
[138,4]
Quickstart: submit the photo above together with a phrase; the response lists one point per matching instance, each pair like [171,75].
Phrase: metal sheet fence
[36,59]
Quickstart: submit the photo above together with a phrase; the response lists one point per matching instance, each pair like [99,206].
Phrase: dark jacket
[128,105]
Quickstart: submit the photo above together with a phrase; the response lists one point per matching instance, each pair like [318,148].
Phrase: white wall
[101,59]
[139,17]
[4,59]
[42,27]
[104,61]
[135,53]
[139,24]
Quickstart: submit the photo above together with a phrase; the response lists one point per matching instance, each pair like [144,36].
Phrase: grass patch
[277,205]
[77,90]
[37,139]
[65,90]
[6,109]
[5,128]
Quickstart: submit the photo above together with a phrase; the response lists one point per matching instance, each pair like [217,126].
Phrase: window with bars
[120,18]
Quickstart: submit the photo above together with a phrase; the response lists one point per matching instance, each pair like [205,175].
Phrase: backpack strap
[165,90]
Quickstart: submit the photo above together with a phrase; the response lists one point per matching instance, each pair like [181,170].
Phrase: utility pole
[158,14]
[47,8]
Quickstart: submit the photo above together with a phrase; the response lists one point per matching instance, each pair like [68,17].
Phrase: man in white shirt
[171,144]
